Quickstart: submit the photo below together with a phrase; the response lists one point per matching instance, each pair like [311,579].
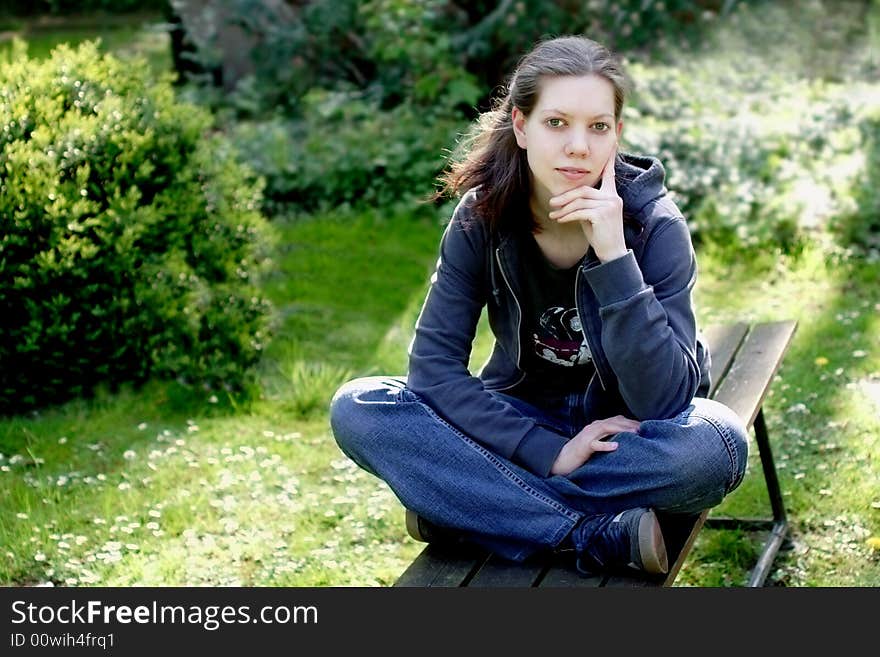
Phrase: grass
[124,489]
[150,487]
[127,35]
[138,488]
[823,415]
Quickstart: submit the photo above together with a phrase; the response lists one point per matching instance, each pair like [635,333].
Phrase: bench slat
[498,572]
[723,341]
[758,359]
[562,573]
[443,565]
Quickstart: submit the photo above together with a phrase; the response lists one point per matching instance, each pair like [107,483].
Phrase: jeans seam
[736,477]
[507,472]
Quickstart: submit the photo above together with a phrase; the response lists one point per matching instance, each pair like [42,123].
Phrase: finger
[618,424]
[603,446]
[614,420]
[623,418]
[578,192]
[578,204]
[608,181]
[584,216]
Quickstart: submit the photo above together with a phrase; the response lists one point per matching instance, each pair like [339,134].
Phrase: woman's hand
[599,211]
[588,441]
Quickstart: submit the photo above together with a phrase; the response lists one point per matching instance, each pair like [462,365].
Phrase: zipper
[518,308]
[586,333]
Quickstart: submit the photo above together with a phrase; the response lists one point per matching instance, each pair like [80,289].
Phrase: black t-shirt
[555,355]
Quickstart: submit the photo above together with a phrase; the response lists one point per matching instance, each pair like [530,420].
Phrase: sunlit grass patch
[822,422]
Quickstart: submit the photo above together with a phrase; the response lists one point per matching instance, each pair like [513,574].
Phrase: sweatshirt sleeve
[440,352]
[648,323]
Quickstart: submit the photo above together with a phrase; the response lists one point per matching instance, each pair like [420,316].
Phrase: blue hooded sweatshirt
[635,312]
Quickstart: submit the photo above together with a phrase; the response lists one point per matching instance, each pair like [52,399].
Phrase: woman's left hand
[599,211]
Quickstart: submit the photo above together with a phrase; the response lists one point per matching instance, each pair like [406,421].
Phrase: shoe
[631,539]
[426,531]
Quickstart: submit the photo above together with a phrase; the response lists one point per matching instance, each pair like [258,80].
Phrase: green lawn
[143,488]
[141,35]
[148,487]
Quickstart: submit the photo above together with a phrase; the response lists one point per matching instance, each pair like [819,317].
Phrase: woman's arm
[648,322]
[441,348]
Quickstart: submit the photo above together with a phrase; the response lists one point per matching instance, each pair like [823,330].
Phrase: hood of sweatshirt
[640,180]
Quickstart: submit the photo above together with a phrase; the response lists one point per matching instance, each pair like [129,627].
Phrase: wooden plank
[562,573]
[443,566]
[498,572]
[723,341]
[633,581]
[758,359]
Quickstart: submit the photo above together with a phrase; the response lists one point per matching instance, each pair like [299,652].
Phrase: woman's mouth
[572,173]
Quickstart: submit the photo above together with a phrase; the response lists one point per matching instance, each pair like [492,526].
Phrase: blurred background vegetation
[189,188]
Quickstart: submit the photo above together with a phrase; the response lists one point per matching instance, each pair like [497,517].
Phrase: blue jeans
[681,465]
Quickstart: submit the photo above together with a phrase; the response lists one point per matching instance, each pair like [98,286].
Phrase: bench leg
[778,526]
[780,521]
[769,469]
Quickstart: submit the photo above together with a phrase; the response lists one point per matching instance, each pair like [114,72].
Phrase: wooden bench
[744,361]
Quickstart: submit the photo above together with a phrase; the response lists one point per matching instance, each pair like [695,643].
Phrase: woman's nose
[578,145]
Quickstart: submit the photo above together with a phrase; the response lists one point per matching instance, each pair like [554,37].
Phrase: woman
[589,415]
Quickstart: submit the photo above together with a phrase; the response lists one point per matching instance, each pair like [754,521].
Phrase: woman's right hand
[588,441]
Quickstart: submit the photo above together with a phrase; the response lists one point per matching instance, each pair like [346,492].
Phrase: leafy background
[771,150]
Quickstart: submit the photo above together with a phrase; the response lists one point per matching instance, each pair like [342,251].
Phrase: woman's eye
[555,123]
[601,126]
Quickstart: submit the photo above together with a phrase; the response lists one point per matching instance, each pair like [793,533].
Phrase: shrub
[405,49]
[345,151]
[748,154]
[860,226]
[131,241]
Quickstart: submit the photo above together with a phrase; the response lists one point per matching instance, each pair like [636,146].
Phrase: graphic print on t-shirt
[560,338]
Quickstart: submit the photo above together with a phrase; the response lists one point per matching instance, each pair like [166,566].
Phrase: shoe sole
[412,526]
[652,547]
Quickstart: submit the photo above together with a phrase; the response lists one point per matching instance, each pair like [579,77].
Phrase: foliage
[746,163]
[131,238]
[861,226]
[754,160]
[346,151]
[420,49]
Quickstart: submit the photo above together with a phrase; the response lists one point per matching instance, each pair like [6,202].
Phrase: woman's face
[569,135]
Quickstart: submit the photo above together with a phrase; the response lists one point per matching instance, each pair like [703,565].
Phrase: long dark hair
[488,156]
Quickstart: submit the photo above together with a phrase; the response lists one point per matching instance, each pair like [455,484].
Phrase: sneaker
[631,539]
[426,531]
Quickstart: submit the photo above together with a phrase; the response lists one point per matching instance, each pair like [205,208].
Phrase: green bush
[131,240]
[351,101]
[749,154]
[345,151]
[860,226]
[416,49]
